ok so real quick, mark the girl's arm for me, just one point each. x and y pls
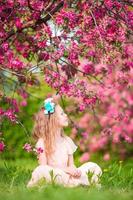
(71, 168)
(75, 172)
(71, 161)
(42, 159)
(70, 164)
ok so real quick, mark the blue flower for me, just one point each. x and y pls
(49, 106)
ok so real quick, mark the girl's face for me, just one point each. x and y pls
(62, 117)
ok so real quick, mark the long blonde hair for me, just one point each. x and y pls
(46, 128)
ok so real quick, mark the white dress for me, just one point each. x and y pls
(58, 160)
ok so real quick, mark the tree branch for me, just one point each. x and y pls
(38, 22)
(48, 16)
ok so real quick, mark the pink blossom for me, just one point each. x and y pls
(91, 100)
(99, 68)
(73, 133)
(84, 121)
(10, 2)
(88, 68)
(13, 102)
(106, 157)
(39, 150)
(42, 44)
(44, 55)
(2, 146)
(23, 103)
(18, 23)
(93, 146)
(22, 2)
(85, 157)
(16, 64)
(128, 139)
(10, 114)
(81, 107)
(91, 53)
(128, 50)
(1, 111)
(85, 135)
(27, 147)
(116, 137)
(70, 16)
(59, 20)
(102, 142)
(38, 5)
(5, 46)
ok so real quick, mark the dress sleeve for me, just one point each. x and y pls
(40, 144)
(71, 147)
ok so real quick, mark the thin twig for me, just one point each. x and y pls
(12, 72)
(102, 42)
(81, 71)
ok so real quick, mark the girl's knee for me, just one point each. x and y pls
(97, 170)
(91, 167)
(42, 171)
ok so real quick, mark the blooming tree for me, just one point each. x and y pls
(84, 50)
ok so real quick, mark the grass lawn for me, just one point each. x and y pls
(117, 183)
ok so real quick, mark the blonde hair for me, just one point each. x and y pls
(46, 128)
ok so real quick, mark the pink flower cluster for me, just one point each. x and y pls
(9, 113)
(28, 147)
(68, 17)
(89, 60)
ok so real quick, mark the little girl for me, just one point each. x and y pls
(57, 150)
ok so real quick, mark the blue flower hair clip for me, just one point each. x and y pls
(49, 106)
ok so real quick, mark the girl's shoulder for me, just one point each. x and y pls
(71, 146)
(40, 143)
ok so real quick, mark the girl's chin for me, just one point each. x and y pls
(66, 124)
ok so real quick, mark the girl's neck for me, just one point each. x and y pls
(58, 135)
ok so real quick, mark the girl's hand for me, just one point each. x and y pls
(77, 173)
(73, 171)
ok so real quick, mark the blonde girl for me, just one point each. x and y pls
(57, 150)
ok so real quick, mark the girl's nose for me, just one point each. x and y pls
(66, 116)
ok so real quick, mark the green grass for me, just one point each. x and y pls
(117, 183)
